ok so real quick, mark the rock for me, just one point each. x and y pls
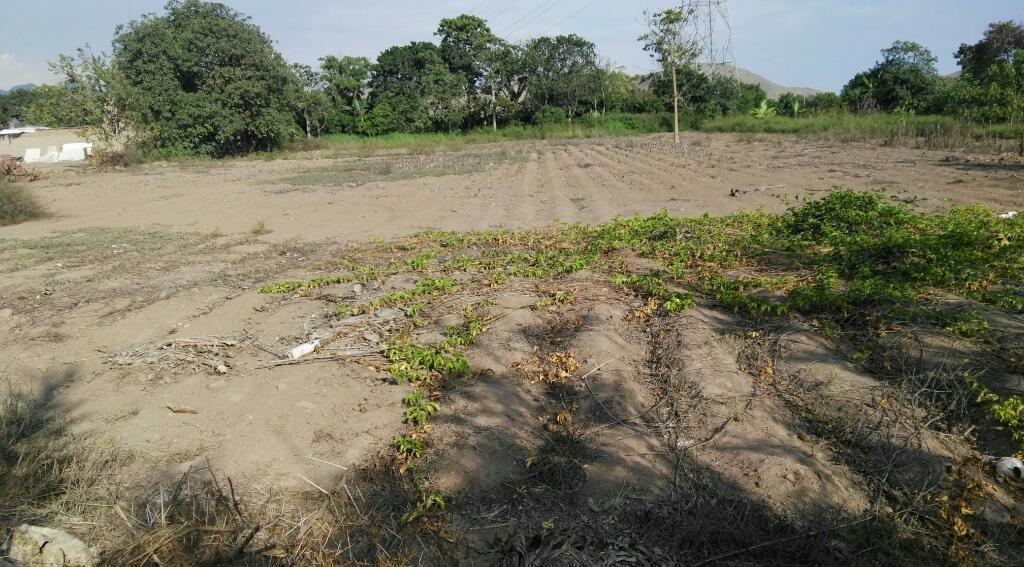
(790, 477)
(371, 337)
(1011, 468)
(386, 314)
(6, 313)
(34, 546)
(222, 369)
(357, 289)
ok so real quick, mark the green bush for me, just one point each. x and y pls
(548, 116)
(202, 79)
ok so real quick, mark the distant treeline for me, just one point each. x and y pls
(202, 79)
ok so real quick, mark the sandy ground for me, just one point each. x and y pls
(580, 181)
(138, 258)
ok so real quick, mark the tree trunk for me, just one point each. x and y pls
(494, 108)
(675, 105)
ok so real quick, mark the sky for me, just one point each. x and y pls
(796, 43)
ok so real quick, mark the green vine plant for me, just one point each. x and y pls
(1006, 410)
(427, 502)
(419, 408)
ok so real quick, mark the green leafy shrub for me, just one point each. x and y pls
(409, 446)
(419, 408)
(548, 116)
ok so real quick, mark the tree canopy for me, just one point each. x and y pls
(1000, 41)
(904, 79)
(202, 79)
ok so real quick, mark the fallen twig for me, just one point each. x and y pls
(326, 462)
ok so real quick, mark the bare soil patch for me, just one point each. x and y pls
(590, 426)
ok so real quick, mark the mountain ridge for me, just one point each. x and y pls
(22, 87)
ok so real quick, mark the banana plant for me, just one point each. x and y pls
(763, 111)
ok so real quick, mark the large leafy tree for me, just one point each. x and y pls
(905, 79)
(347, 80)
(412, 86)
(465, 42)
(347, 86)
(1001, 40)
(563, 73)
(205, 80)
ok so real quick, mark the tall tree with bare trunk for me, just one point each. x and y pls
(668, 42)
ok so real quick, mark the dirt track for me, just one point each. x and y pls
(163, 252)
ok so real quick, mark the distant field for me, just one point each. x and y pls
(928, 131)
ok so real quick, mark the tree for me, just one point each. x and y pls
(57, 107)
(311, 102)
(14, 104)
(1000, 98)
(563, 72)
(497, 66)
(92, 94)
(792, 105)
(615, 88)
(205, 81)
(465, 41)
(420, 92)
(904, 79)
(1000, 41)
(347, 80)
(701, 96)
(859, 94)
(667, 41)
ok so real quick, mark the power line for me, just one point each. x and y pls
(476, 7)
(530, 16)
(570, 16)
(504, 8)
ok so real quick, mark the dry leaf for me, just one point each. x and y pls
(182, 409)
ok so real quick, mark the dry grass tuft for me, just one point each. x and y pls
(45, 471)
(109, 159)
(260, 228)
(18, 205)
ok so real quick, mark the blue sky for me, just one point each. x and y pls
(815, 43)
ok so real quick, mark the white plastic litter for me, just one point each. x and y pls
(1008, 215)
(34, 545)
(1009, 467)
(303, 349)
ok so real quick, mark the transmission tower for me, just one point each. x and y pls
(712, 32)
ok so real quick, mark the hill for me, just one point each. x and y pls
(773, 89)
(24, 87)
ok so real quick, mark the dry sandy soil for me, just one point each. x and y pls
(123, 304)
